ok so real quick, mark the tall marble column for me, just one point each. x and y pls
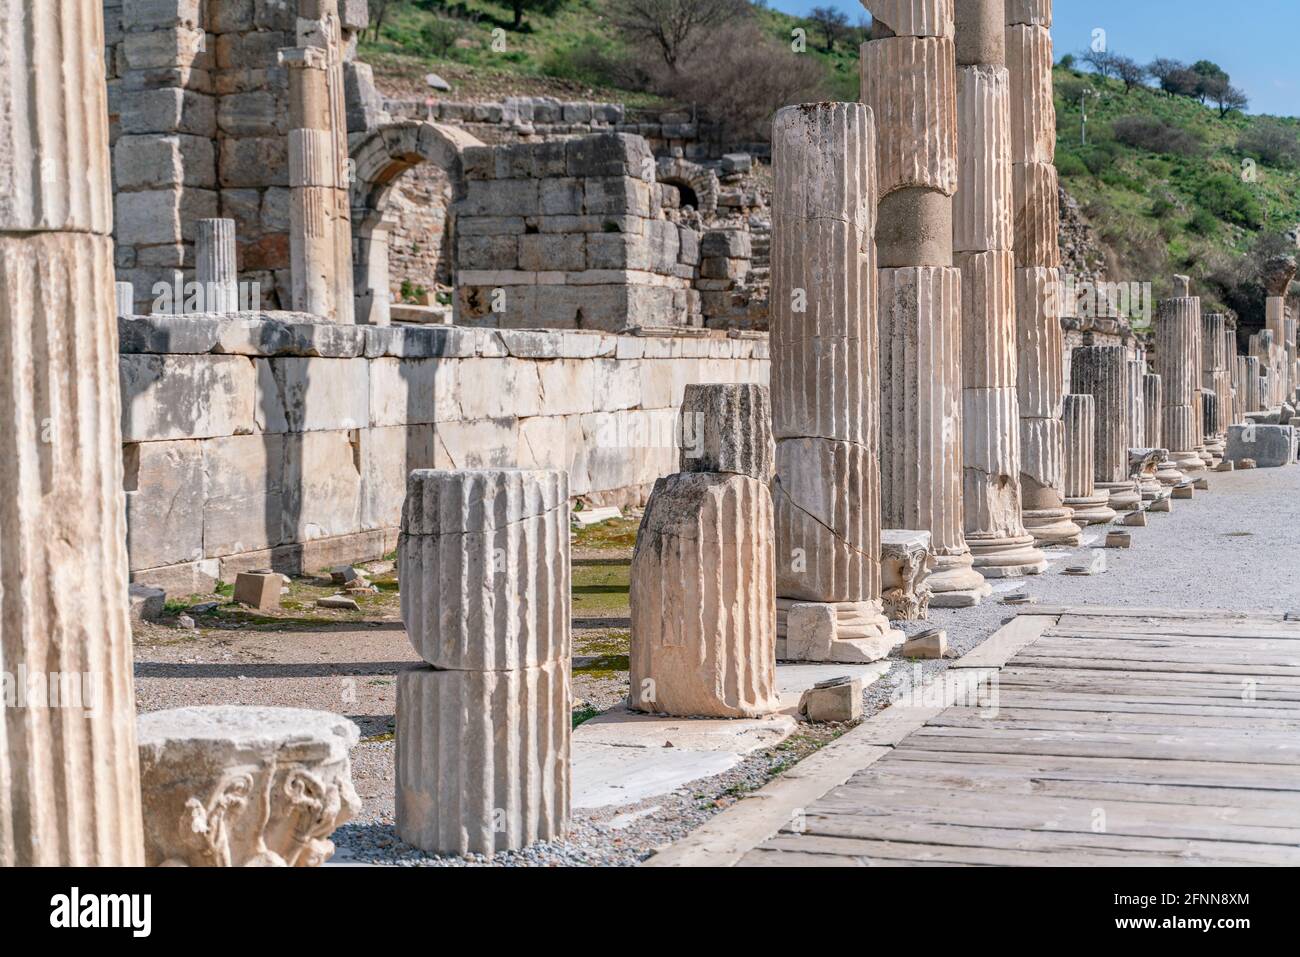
(1177, 334)
(909, 82)
(1091, 507)
(825, 390)
(319, 209)
(1135, 370)
(984, 247)
(1214, 363)
(1252, 385)
(1040, 344)
(1278, 274)
(1103, 373)
(69, 770)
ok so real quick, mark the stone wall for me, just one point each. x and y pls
(253, 440)
(571, 234)
(199, 123)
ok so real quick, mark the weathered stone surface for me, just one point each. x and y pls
(703, 599)
(483, 757)
(1178, 363)
(1102, 372)
(185, 397)
(147, 604)
(727, 428)
(69, 785)
(910, 86)
(1033, 113)
(165, 493)
(1079, 421)
(484, 565)
(982, 214)
(913, 18)
(824, 381)
(837, 699)
(1269, 446)
(232, 786)
(259, 590)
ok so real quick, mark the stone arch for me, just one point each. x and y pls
(378, 159)
(700, 180)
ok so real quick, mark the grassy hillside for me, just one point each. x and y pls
(1173, 191)
(571, 48)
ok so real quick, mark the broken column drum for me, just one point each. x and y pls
(1040, 340)
(1177, 332)
(214, 265)
(1152, 407)
(984, 248)
(909, 82)
(703, 582)
(483, 725)
(1102, 372)
(69, 771)
(825, 392)
(1091, 507)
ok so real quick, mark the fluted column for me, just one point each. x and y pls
(1177, 334)
(1078, 416)
(909, 82)
(825, 390)
(984, 249)
(1252, 384)
(69, 771)
(1135, 370)
(1040, 344)
(1103, 373)
(1278, 273)
(319, 208)
(214, 264)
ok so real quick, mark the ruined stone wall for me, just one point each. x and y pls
(417, 248)
(199, 123)
(252, 441)
(571, 235)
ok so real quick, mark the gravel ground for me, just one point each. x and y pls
(1229, 548)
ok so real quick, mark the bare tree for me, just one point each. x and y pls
(1164, 70)
(1101, 61)
(378, 10)
(832, 23)
(1130, 72)
(673, 27)
(1228, 98)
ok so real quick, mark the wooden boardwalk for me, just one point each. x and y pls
(1119, 737)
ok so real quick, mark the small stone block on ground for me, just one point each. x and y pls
(259, 590)
(1226, 467)
(928, 644)
(1184, 491)
(594, 516)
(1119, 540)
(1135, 519)
(1094, 566)
(837, 699)
(146, 603)
(1161, 505)
(338, 601)
(1202, 484)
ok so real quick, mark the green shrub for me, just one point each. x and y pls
(1069, 164)
(1203, 222)
(1230, 200)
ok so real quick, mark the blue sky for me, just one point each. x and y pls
(1256, 41)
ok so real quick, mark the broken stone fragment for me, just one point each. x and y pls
(927, 644)
(338, 601)
(837, 699)
(233, 786)
(146, 603)
(342, 574)
(726, 428)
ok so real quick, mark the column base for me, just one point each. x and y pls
(954, 582)
(1092, 510)
(842, 632)
(1189, 463)
(1052, 526)
(1006, 557)
(1169, 475)
(1123, 496)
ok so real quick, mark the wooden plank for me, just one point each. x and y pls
(1153, 648)
(1185, 614)
(1282, 631)
(1134, 667)
(1231, 708)
(1016, 715)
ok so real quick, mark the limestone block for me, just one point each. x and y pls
(615, 196)
(910, 86)
(167, 110)
(483, 758)
(836, 699)
(1037, 215)
(610, 154)
(616, 382)
(185, 396)
(906, 559)
(484, 560)
(147, 604)
(243, 499)
(233, 786)
(486, 443)
(413, 391)
(982, 217)
(489, 252)
(155, 216)
(312, 394)
(388, 455)
(151, 161)
(1270, 446)
(1033, 111)
(165, 491)
(703, 599)
(910, 18)
(322, 485)
(725, 428)
(259, 590)
(541, 251)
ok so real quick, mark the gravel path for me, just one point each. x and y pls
(1229, 548)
